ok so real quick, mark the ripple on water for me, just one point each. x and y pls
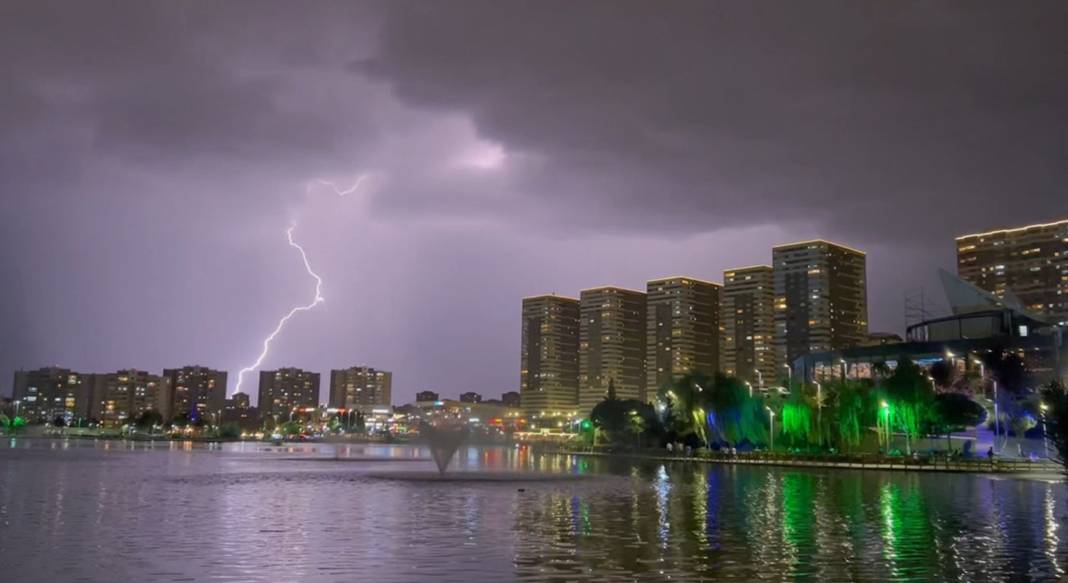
(173, 515)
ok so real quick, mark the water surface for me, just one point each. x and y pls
(111, 511)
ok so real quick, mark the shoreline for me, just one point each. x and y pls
(998, 466)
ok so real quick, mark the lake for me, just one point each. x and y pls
(116, 511)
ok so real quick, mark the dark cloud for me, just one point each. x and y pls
(699, 115)
(153, 153)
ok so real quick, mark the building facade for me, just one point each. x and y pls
(548, 376)
(197, 392)
(121, 397)
(49, 393)
(747, 324)
(511, 399)
(427, 397)
(284, 390)
(470, 397)
(1026, 263)
(611, 345)
(821, 298)
(361, 387)
(682, 330)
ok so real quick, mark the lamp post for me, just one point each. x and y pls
(771, 432)
(760, 379)
(843, 361)
(750, 385)
(819, 410)
(789, 376)
(997, 417)
(885, 408)
(1045, 442)
(17, 403)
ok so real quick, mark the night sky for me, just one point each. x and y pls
(152, 156)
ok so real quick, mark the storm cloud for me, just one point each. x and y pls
(153, 154)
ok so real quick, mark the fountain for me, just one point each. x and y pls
(443, 443)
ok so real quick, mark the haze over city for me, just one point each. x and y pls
(153, 157)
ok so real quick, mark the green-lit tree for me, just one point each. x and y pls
(799, 420)
(911, 398)
(851, 412)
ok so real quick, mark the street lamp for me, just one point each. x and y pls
(17, 402)
(819, 409)
(1045, 442)
(789, 376)
(760, 379)
(750, 385)
(885, 408)
(843, 361)
(997, 417)
(771, 434)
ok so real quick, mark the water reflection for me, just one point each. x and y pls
(111, 511)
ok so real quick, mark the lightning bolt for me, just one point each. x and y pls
(318, 299)
(333, 185)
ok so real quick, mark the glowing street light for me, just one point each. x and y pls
(1045, 442)
(885, 408)
(771, 433)
(750, 385)
(760, 379)
(819, 409)
(789, 375)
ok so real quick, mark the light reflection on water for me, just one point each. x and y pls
(108, 511)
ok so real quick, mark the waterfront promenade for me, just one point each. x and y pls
(854, 462)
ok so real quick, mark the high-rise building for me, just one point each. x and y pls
(548, 376)
(611, 345)
(47, 393)
(1028, 264)
(284, 390)
(682, 330)
(196, 392)
(470, 397)
(121, 397)
(747, 324)
(361, 387)
(821, 298)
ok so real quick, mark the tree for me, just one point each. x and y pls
(943, 373)
(683, 400)
(910, 397)
(954, 412)
(623, 419)
(148, 419)
(1009, 370)
(850, 412)
(798, 420)
(1055, 400)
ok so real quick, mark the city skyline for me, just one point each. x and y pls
(149, 191)
(1049, 236)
